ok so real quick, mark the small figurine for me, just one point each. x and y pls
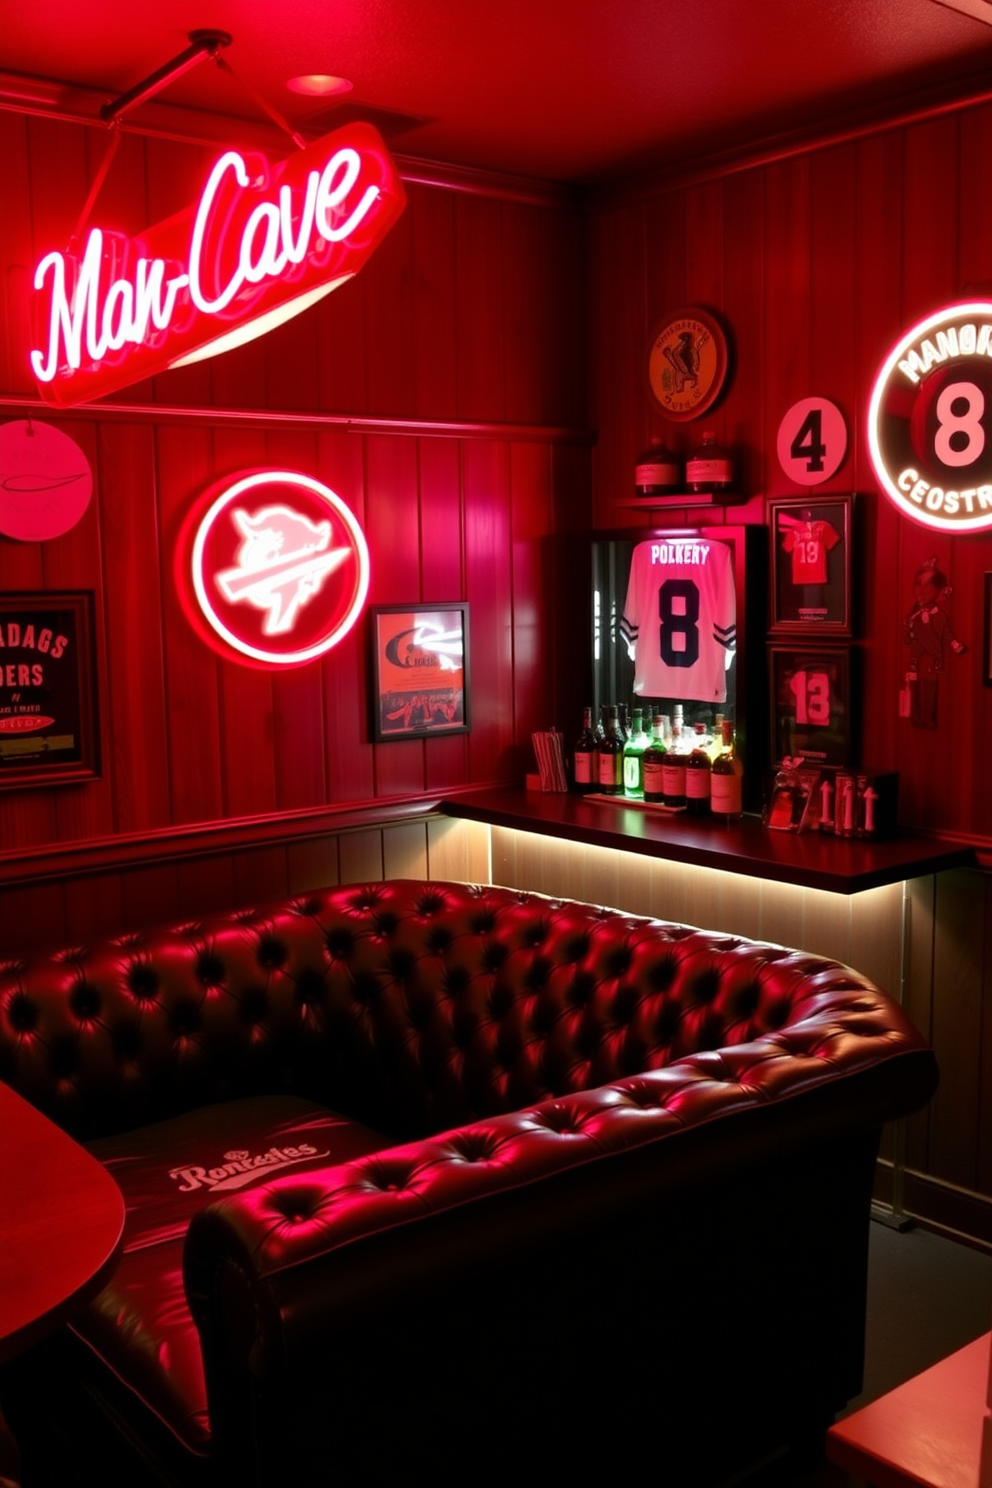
(929, 635)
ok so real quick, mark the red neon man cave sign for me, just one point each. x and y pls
(275, 571)
(261, 245)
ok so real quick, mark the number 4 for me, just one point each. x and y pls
(808, 443)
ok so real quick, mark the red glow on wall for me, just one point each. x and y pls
(276, 570)
(261, 245)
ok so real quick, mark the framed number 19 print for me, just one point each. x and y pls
(811, 565)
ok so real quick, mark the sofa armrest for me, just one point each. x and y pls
(291, 1279)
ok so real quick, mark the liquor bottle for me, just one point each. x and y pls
(633, 758)
(657, 471)
(697, 775)
(673, 770)
(622, 729)
(585, 758)
(609, 756)
(653, 760)
(727, 779)
(709, 468)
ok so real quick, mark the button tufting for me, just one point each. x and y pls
(84, 1000)
(340, 943)
(142, 981)
(209, 969)
(310, 987)
(272, 953)
(23, 1012)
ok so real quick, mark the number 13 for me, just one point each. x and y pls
(812, 693)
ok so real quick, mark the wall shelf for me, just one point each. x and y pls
(838, 865)
(678, 499)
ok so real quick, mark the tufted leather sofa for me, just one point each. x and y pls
(446, 1183)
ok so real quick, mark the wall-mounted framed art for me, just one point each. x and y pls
(811, 541)
(810, 691)
(48, 712)
(420, 671)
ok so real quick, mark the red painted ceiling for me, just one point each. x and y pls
(581, 91)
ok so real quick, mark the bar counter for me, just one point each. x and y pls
(809, 860)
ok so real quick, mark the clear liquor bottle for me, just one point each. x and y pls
(673, 770)
(609, 756)
(727, 779)
(710, 467)
(585, 757)
(657, 471)
(697, 775)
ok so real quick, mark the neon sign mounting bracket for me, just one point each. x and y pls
(202, 44)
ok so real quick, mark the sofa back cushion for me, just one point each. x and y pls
(411, 1006)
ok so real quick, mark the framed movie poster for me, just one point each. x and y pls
(811, 565)
(48, 732)
(419, 671)
(810, 689)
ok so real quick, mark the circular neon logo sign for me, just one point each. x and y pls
(279, 568)
(930, 420)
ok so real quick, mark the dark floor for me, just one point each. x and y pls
(927, 1297)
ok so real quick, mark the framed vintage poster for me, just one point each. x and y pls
(48, 733)
(419, 671)
(811, 565)
(810, 690)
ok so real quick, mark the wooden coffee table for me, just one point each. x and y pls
(61, 1223)
(930, 1432)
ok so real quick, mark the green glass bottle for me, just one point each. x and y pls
(633, 757)
(653, 761)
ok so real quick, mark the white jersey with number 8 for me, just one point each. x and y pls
(680, 618)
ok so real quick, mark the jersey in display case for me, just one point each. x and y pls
(680, 617)
(672, 612)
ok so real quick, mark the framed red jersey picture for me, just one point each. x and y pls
(811, 542)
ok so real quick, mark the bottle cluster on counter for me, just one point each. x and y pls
(662, 760)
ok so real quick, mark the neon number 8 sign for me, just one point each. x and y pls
(928, 420)
(960, 434)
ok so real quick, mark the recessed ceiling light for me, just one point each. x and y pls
(319, 85)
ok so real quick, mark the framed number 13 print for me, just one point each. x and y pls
(810, 689)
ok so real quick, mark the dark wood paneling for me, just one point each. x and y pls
(191, 668)
(480, 332)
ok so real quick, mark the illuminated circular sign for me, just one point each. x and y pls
(279, 568)
(930, 420)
